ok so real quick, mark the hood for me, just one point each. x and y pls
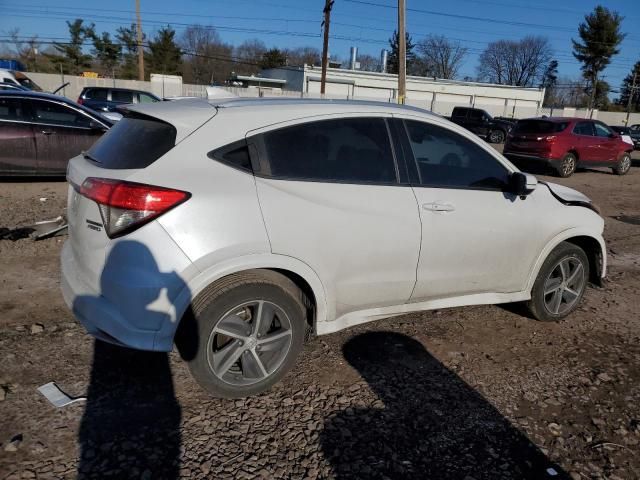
(567, 194)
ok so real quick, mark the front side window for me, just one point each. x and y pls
(353, 150)
(11, 109)
(476, 114)
(51, 113)
(144, 98)
(584, 128)
(121, 96)
(447, 159)
(601, 130)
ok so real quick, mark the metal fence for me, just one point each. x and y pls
(510, 109)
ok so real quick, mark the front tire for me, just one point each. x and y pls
(250, 327)
(623, 166)
(560, 284)
(567, 165)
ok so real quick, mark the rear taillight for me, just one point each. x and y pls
(80, 100)
(126, 206)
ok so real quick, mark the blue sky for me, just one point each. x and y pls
(291, 23)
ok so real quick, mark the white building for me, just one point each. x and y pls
(437, 95)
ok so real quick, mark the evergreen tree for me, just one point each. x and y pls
(128, 38)
(70, 55)
(600, 37)
(165, 54)
(392, 59)
(106, 52)
(626, 90)
(273, 58)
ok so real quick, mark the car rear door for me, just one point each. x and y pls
(18, 152)
(61, 133)
(331, 197)
(476, 237)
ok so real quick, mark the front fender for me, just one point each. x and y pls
(557, 240)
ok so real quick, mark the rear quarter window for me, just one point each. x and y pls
(133, 142)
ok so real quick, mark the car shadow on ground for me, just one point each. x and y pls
(131, 424)
(432, 425)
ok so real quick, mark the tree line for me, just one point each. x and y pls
(201, 56)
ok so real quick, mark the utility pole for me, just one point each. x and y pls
(593, 94)
(140, 48)
(325, 44)
(631, 94)
(402, 53)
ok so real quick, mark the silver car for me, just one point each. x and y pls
(235, 228)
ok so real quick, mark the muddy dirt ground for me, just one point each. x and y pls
(470, 393)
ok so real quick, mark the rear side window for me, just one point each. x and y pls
(584, 128)
(539, 126)
(121, 96)
(10, 109)
(446, 159)
(235, 155)
(94, 94)
(351, 150)
(133, 142)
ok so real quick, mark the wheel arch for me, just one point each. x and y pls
(295, 270)
(592, 244)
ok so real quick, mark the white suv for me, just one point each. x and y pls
(234, 228)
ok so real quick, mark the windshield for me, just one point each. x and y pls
(539, 126)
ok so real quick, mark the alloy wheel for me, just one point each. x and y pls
(249, 343)
(496, 136)
(568, 165)
(564, 285)
(625, 164)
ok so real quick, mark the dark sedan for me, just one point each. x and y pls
(40, 132)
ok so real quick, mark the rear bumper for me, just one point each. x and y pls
(133, 308)
(532, 160)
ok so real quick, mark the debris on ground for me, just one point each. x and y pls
(57, 397)
(14, 443)
(37, 231)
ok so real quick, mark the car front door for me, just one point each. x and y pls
(477, 122)
(608, 146)
(331, 197)
(476, 237)
(18, 152)
(587, 143)
(61, 133)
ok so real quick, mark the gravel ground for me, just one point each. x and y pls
(469, 393)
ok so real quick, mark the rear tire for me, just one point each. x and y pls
(567, 165)
(250, 329)
(623, 166)
(496, 136)
(561, 283)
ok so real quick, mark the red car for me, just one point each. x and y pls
(567, 143)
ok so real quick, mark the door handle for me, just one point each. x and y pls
(46, 132)
(438, 207)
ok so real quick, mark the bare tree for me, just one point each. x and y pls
(297, 57)
(206, 57)
(520, 63)
(24, 50)
(368, 63)
(442, 58)
(248, 56)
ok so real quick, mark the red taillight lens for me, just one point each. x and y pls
(126, 206)
(80, 100)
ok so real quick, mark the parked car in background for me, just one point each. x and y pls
(481, 123)
(634, 131)
(624, 132)
(107, 99)
(18, 78)
(12, 87)
(40, 132)
(181, 227)
(566, 144)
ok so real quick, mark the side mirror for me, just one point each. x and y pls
(613, 135)
(522, 183)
